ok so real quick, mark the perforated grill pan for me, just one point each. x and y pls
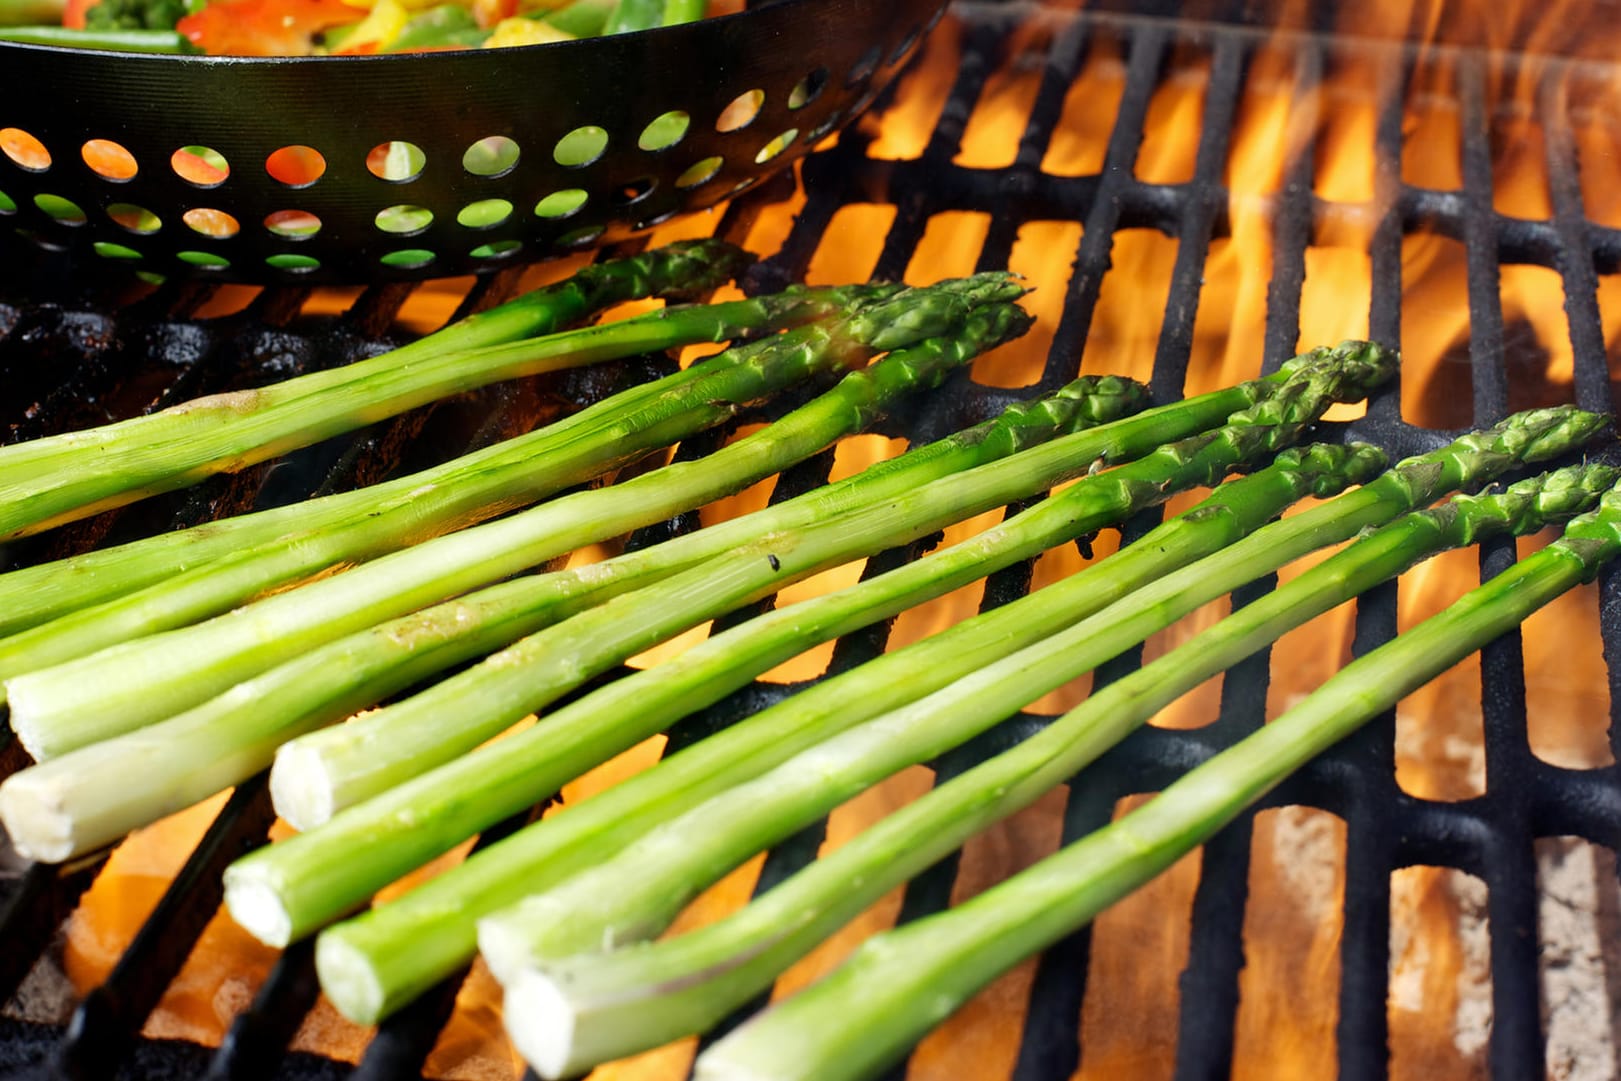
(513, 153)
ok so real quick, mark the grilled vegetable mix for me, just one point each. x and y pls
(336, 27)
(144, 677)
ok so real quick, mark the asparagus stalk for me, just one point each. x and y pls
(60, 478)
(362, 963)
(290, 889)
(232, 737)
(474, 487)
(898, 985)
(644, 885)
(122, 687)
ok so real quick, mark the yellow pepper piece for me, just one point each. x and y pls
(521, 31)
(379, 28)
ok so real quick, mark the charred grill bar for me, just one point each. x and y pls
(63, 345)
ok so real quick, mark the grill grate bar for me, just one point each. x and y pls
(1362, 1031)
(1292, 220)
(1516, 1045)
(1101, 220)
(253, 1046)
(111, 1015)
(1490, 376)
(1362, 1028)
(1202, 201)
(1574, 261)
(1384, 246)
(1208, 1003)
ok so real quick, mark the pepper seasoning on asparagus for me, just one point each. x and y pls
(900, 984)
(292, 888)
(57, 479)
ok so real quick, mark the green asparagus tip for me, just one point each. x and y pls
(684, 269)
(1579, 486)
(998, 323)
(1332, 467)
(930, 311)
(1531, 436)
(1527, 505)
(1087, 402)
(1346, 372)
(1595, 533)
(1548, 433)
(1349, 352)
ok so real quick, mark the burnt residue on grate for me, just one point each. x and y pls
(68, 356)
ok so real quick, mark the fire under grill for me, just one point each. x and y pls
(1049, 142)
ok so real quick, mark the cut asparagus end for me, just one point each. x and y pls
(256, 905)
(504, 946)
(28, 734)
(348, 980)
(713, 1065)
(301, 786)
(32, 812)
(541, 1022)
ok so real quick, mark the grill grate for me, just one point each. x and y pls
(56, 332)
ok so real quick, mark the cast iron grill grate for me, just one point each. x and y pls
(66, 353)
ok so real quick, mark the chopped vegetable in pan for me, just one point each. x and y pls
(337, 27)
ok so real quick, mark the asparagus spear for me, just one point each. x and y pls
(362, 963)
(655, 876)
(231, 738)
(468, 489)
(898, 985)
(125, 686)
(59, 478)
(290, 889)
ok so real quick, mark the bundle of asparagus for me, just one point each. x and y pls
(55, 809)
(215, 567)
(48, 481)
(142, 682)
(122, 687)
(569, 1011)
(898, 985)
(294, 887)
